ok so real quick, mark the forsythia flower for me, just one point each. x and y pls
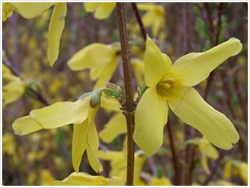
(99, 58)
(14, 87)
(102, 10)
(117, 124)
(154, 16)
(171, 86)
(56, 26)
(118, 163)
(80, 113)
(86, 179)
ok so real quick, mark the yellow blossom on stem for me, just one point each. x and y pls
(170, 86)
(99, 58)
(80, 113)
(154, 16)
(102, 10)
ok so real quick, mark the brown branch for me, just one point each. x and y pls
(174, 157)
(37, 95)
(139, 20)
(128, 103)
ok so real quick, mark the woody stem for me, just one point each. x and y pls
(128, 99)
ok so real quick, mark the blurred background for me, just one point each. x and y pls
(42, 157)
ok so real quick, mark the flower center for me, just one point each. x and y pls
(166, 85)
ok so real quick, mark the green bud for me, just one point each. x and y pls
(96, 98)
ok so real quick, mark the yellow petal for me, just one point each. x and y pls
(204, 162)
(190, 107)
(110, 155)
(195, 67)
(148, 19)
(93, 142)
(104, 10)
(106, 74)
(156, 64)
(115, 127)
(62, 113)
(227, 170)
(25, 125)
(92, 149)
(146, 6)
(31, 10)
(208, 149)
(86, 179)
(56, 27)
(158, 25)
(12, 92)
(6, 11)
(79, 143)
(110, 104)
(150, 119)
(91, 56)
(90, 7)
(244, 172)
(138, 69)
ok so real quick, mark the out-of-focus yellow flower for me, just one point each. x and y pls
(171, 86)
(99, 58)
(207, 150)
(117, 124)
(56, 26)
(160, 181)
(86, 179)
(46, 178)
(154, 16)
(138, 69)
(14, 87)
(227, 170)
(8, 144)
(80, 113)
(118, 162)
(243, 168)
(102, 10)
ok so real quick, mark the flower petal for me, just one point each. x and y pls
(195, 67)
(31, 10)
(92, 149)
(150, 119)
(56, 27)
(93, 55)
(190, 107)
(104, 10)
(62, 113)
(90, 7)
(25, 125)
(110, 104)
(93, 142)
(79, 143)
(156, 64)
(115, 127)
(6, 11)
(106, 74)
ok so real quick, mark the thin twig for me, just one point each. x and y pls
(139, 20)
(37, 95)
(128, 100)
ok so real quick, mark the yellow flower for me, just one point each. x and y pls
(160, 181)
(118, 163)
(154, 16)
(80, 113)
(86, 179)
(171, 86)
(117, 124)
(99, 58)
(102, 10)
(14, 87)
(56, 26)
